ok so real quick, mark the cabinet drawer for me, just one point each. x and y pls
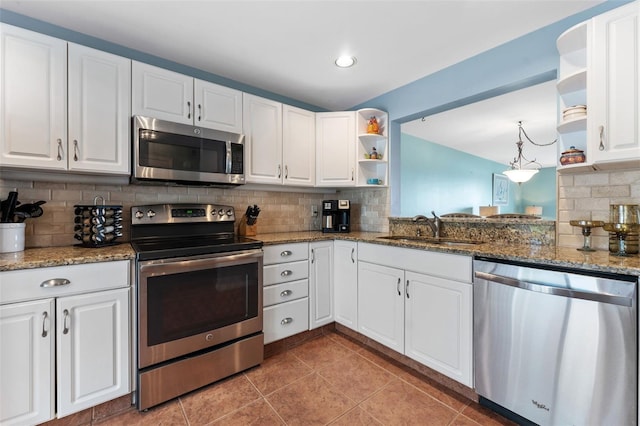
(285, 253)
(285, 292)
(286, 319)
(285, 272)
(29, 284)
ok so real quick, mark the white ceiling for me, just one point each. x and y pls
(489, 129)
(288, 47)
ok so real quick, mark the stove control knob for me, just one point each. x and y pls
(139, 214)
(214, 212)
(229, 212)
(221, 212)
(151, 214)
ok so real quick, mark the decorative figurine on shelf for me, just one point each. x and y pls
(374, 154)
(373, 127)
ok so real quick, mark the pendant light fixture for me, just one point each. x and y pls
(518, 172)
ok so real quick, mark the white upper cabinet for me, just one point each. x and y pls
(33, 108)
(279, 143)
(99, 111)
(599, 62)
(614, 87)
(168, 95)
(262, 124)
(335, 149)
(298, 146)
(217, 107)
(162, 94)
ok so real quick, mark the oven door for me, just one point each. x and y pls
(190, 304)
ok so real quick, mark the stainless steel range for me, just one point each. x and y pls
(199, 299)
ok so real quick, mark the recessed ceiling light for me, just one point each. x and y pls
(345, 61)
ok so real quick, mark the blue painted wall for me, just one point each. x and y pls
(435, 177)
(523, 62)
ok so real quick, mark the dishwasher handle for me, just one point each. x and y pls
(557, 291)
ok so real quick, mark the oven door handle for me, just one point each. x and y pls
(182, 264)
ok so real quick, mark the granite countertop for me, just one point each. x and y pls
(540, 254)
(60, 256)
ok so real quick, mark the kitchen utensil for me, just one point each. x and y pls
(9, 206)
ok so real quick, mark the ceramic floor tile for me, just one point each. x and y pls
(257, 413)
(217, 400)
(309, 401)
(355, 417)
(391, 366)
(346, 342)
(436, 390)
(320, 352)
(462, 420)
(355, 376)
(168, 414)
(401, 403)
(276, 372)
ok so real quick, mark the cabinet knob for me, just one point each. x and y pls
(286, 321)
(286, 273)
(286, 293)
(286, 253)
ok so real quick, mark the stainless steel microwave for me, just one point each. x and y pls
(179, 153)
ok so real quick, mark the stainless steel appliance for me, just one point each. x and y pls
(555, 346)
(199, 299)
(172, 152)
(336, 216)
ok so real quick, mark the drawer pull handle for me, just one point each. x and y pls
(353, 251)
(45, 329)
(55, 282)
(406, 289)
(398, 287)
(286, 321)
(65, 324)
(286, 273)
(286, 293)
(286, 253)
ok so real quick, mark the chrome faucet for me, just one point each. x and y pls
(435, 224)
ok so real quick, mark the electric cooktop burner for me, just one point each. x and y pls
(176, 230)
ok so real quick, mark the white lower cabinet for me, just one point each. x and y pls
(320, 283)
(418, 303)
(27, 361)
(438, 325)
(64, 340)
(345, 283)
(92, 345)
(286, 290)
(381, 304)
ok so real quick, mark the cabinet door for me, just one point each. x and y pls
(345, 283)
(26, 362)
(614, 87)
(99, 111)
(217, 107)
(320, 283)
(335, 148)
(381, 304)
(438, 324)
(161, 93)
(262, 124)
(298, 146)
(33, 108)
(92, 348)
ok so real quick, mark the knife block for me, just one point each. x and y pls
(247, 230)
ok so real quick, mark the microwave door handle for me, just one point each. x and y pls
(228, 162)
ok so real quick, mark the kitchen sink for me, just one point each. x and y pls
(431, 240)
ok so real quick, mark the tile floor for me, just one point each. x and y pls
(326, 380)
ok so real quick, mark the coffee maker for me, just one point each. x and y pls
(336, 216)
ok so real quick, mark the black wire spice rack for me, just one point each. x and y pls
(97, 225)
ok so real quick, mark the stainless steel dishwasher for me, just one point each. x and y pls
(556, 346)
